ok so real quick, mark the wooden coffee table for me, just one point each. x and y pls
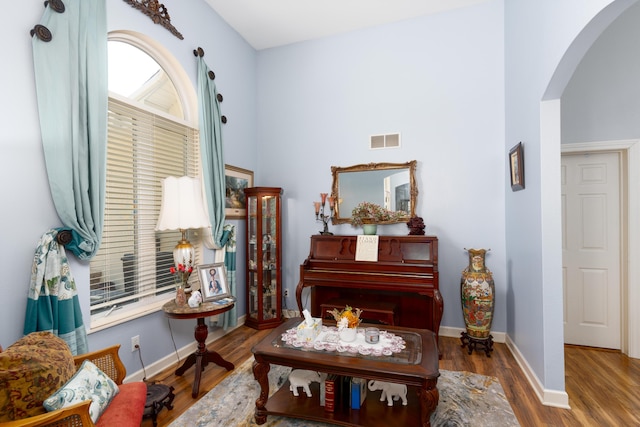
(416, 366)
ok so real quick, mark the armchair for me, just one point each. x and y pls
(126, 408)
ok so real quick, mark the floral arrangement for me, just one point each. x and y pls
(367, 212)
(347, 318)
(181, 274)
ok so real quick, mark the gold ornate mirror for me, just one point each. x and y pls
(390, 185)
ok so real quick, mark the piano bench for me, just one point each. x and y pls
(379, 311)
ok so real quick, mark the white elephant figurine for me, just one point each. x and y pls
(390, 391)
(302, 378)
(195, 300)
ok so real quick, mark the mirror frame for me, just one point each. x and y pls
(413, 187)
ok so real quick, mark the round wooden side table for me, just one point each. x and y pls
(201, 357)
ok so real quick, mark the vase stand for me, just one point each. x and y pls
(158, 396)
(473, 343)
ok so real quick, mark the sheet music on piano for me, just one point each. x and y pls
(367, 248)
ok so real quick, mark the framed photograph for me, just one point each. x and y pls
(213, 282)
(516, 167)
(236, 180)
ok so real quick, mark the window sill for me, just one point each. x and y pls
(117, 317)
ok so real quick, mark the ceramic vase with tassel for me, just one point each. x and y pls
(477, 294)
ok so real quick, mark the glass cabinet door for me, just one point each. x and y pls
(264, 257)
(252, 256)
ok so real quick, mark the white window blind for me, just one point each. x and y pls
(131, 268)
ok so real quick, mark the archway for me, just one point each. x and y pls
(550, 134)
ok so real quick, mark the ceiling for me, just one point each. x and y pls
(270, 23)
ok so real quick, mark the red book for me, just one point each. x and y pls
(330, 393)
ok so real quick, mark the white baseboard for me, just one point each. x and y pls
(555, 398)
(162, 364)
(288, 314)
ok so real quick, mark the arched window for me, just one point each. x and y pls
(151, 135)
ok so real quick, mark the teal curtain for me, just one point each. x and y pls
(71, 85)
(52, 303)
(211, 150)
(230, 318)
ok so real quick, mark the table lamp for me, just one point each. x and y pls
(182, 208)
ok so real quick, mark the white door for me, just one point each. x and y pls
(591, 227)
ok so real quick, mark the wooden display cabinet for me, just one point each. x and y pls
(264, 257)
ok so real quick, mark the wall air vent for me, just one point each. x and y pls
(391, 140)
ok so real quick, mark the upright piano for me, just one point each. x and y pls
(405, 276)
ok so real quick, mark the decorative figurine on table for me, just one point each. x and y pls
(302, 378)
(416, 226)
(195, 299)
(390, 391)
(347, 322)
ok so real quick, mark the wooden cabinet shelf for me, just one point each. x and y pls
(373, 412)
(264, 257)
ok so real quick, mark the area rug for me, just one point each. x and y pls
(466, 399)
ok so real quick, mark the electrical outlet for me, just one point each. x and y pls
(286, 293)
(135, 342)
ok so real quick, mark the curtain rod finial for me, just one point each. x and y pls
(41, 32)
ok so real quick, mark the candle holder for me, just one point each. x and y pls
(320, 212)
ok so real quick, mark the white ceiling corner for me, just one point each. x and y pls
(270, 23)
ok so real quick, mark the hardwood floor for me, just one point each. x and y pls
(603, 385)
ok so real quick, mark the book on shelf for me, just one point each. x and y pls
(323, 385)
(330, 392)
(344, 392)
(358, 392)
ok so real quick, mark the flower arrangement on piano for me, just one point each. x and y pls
(347, 318)
(372, 213)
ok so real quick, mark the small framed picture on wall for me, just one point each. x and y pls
(236, 180)
(516, 167)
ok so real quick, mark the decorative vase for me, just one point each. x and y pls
(348, 334)
(477, 292)
(181, 296)
(370, 229)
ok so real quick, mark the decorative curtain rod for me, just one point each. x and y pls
(200, 52)
(157, 12)
(41, 31)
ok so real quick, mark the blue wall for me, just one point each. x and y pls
(601, 102)
(320, 100)
(544, 42)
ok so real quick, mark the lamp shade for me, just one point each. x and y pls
(182, 205)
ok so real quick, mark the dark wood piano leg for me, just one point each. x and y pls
(299, 289)
(438, 310)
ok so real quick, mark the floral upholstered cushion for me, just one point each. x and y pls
(89, 383)
(30, 370)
